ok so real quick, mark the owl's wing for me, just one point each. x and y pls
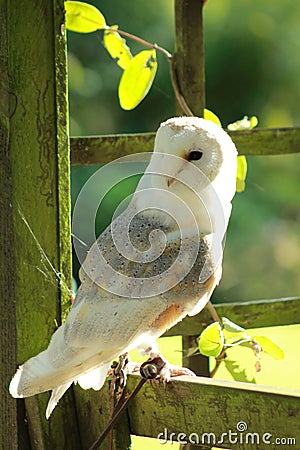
(121, 298)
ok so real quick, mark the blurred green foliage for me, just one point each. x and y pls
(252, 68)
(94, 77)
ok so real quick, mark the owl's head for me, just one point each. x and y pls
(194, 152)
(196, 161)
(195, 142)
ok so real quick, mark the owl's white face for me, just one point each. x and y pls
(195, 160)
(193, 141)
(194, 151)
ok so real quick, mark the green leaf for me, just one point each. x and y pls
(269, 347)
(231, 326)
(241, 173)
(232, 340)
(233, 333)
(253, 122)
(209, 115)
(137, 79)
(83, 18)
(116, 47)
(211, 340)
(243, 124)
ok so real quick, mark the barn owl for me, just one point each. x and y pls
(157, 262)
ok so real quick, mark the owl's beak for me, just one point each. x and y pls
(172, 180)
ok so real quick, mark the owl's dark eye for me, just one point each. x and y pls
(195, 155)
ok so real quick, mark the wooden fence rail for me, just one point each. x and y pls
(204, 405)
(194, 406)
(103, 149)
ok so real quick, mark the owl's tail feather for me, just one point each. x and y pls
(56, 368)
(56, 395)
(35, 376)
(93, 379)
(38, 375)
(47, 370)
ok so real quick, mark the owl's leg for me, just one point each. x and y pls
(157, 363)
(124, 366)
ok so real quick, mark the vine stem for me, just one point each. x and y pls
(140, 41)
(213, 312)
(173, 74)
(219, 359)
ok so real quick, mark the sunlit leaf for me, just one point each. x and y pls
(233, 333)
(116, 47)
(243, 124)
(209, 115)
(269, 347)
(234, 339)
(137, 79)
(253, 122)
(241, 173)
(211, 340)
(83, 18)
(231, 326)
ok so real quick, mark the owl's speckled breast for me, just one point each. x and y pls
(149, 250)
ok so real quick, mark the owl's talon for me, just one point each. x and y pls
(170, 371)
(157, 367)
(177, 371)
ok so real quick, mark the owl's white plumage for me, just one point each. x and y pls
(109, 317)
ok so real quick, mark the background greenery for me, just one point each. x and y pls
(252, 67)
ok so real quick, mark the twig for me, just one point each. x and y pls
(141, 41)
(213, 312)
(173, 74)
(219, 359)
(111, 408)
(216, 318)
(174, 80)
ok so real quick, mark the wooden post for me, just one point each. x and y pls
(189, 59)
(93, 416)
(189, 53)
(190, 70)
(34, 178)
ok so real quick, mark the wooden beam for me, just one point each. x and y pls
(189, 53)
(267, 141)
(203, 405)
(103, 149)
(254, 314)
(34, 178)
(190, 69)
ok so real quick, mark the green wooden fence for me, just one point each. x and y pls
(34, 177)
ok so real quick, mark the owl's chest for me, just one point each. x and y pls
(149, 264)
